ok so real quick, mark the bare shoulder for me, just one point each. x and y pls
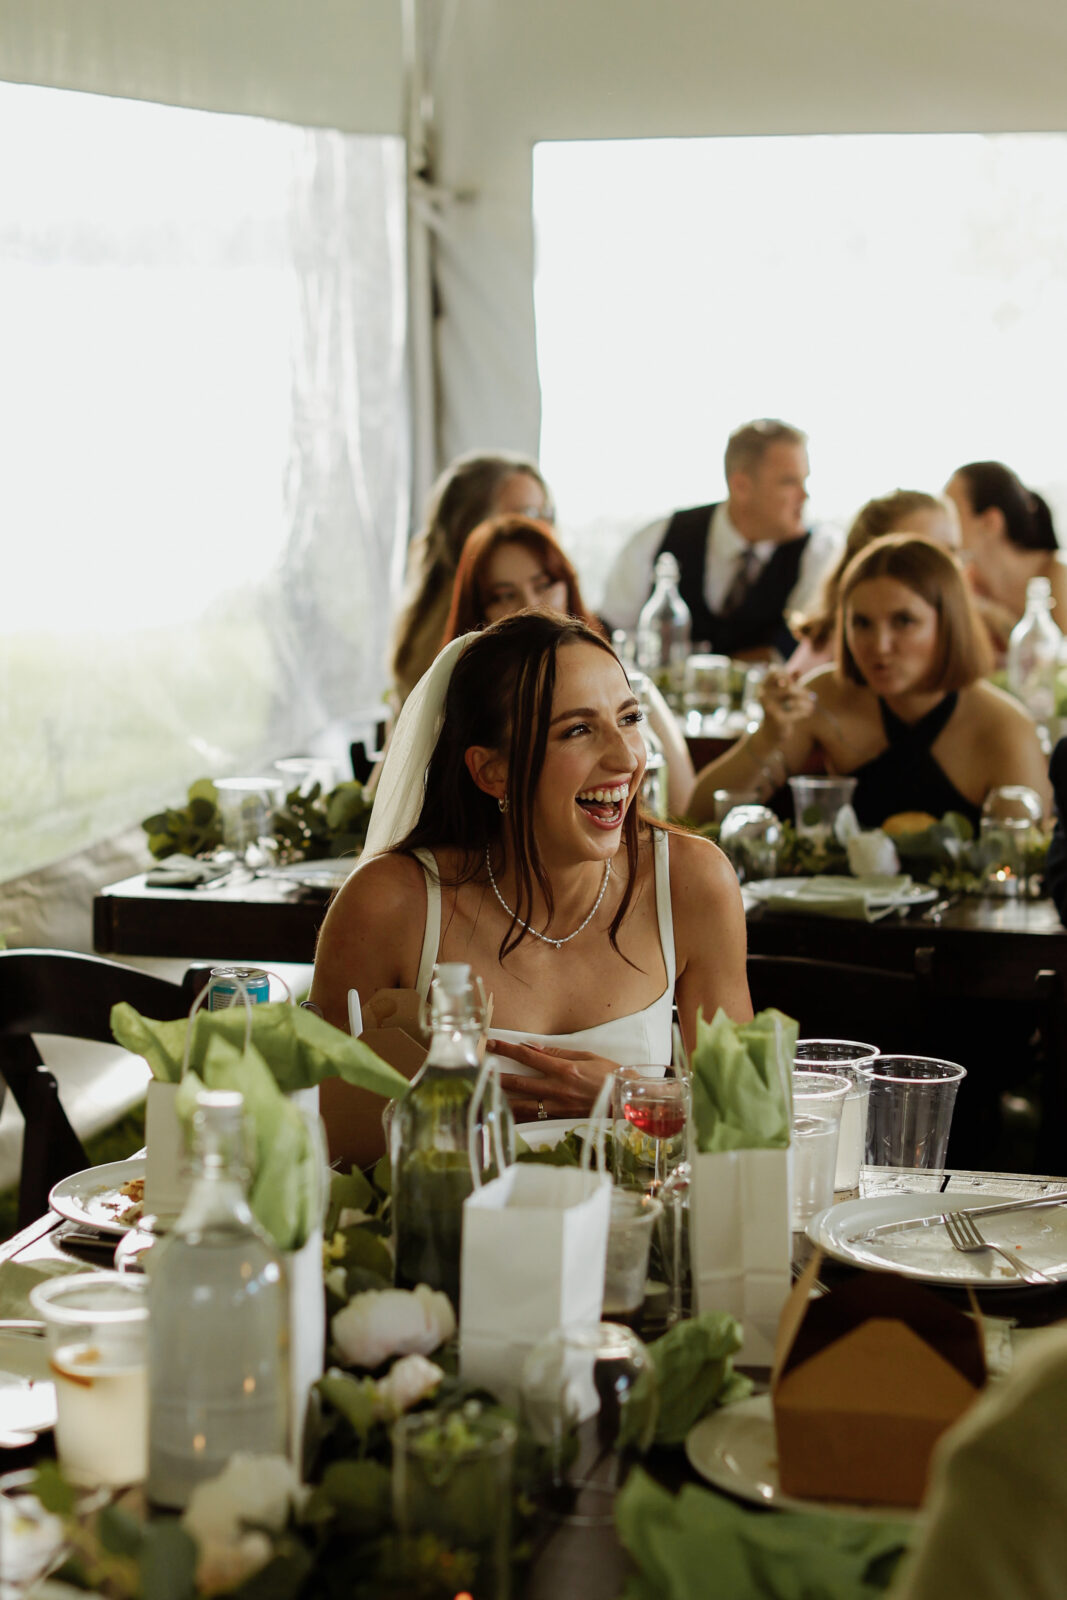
(996, 709)
(699, 869)
(832, 690)
(389, 883)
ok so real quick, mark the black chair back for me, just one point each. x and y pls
(62, 992)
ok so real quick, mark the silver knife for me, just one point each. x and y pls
(1041, 1203)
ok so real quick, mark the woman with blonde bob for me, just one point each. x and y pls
(903, 511)
(905, 710)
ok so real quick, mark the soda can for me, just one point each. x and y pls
(225, 984)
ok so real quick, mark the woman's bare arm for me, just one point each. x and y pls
(711, 941)
(371, 940)
(764, 759)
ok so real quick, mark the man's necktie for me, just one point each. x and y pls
(748, 568)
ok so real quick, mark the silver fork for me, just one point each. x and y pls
(964, 1236)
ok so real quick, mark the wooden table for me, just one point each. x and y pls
(589, 1563)
(255, 920)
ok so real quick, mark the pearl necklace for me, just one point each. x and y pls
(558, 943)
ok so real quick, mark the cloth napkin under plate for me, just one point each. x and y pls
(862, 899)
(696, 1545)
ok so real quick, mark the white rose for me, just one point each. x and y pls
(336, 1281)
(408, 1381)
(222, 1565)
(249, 1489)
(872, 853)
(384, 1322)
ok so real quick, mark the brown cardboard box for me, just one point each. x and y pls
(391, 1029)
(865, 1381)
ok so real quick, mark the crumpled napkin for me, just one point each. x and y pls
(299, 1048)
(700, 1546)
(829, 896)
(17, 1278)
(695, 1372)
(741, 1082)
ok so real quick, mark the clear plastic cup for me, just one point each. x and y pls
(816, 802)
(847, 1058)
(818, 1100)
(96, 1326)
(910, 1113)
(633, 1217)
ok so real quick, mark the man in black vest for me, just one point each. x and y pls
(746, 563)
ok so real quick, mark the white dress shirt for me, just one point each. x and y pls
(629, 583)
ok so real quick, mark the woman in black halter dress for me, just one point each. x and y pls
(905, 710)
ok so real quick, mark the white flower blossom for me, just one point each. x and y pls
(249, 1489)
(384, 1322)
(222, 1564)
(872, 853)
(336, 1282)
(408, 1381)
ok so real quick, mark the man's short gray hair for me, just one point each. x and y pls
(748, 444)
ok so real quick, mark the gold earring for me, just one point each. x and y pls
(502, 803)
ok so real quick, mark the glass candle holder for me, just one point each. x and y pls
(816, 802)
(452, 1476)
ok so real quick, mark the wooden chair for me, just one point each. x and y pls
(61, 992)
(834, 1001)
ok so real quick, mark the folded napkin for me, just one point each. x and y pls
(299, 1048)
(17, 1278)
(699, 1546)
(741, 1082)
(826, 896)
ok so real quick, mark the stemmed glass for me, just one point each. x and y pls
(651, 1116)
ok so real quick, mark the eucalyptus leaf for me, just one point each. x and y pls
(168, 1562)
(366, 1251)
(360, 1493)
(119, 1531)
(53, 1490)
(355, 1399)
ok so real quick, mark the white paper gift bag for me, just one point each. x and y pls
(741, 1242)
(534, 1248)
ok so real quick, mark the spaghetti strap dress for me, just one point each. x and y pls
(905, 777)
(639, 1040)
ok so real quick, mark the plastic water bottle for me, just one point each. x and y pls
(1033, 658)
(664, 631)
(218, 1321)
(431, 1168)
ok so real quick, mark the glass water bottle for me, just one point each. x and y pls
(1033, 658)
(664, 630)
(431, 1164)
(218, 1321)
(654, 789)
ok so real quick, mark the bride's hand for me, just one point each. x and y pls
(570, 1079)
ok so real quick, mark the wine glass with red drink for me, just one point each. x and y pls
(650, 1120)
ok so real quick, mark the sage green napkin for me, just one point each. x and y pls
(299, 1048)
(700, 1546)
(695, 1372)
(17, 1278)
(741, 1082)
(830, 896)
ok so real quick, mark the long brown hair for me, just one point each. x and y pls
(500, 697)
(929, 571)
(469, 597)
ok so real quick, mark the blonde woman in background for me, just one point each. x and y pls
(903, 511)
(469, 490)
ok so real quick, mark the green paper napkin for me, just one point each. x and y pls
(299, 1048)
(17, 1278)
(741, 1082)
(699, 1546)
(695, 1372)
(829, 896)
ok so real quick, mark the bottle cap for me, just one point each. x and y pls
(454, 977)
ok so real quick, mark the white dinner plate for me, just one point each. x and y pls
(327, 875)
(543, 1135)
(926, 1253)
(93, 1199)
(916, 894)
(735, 1449)
(27, 1393)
